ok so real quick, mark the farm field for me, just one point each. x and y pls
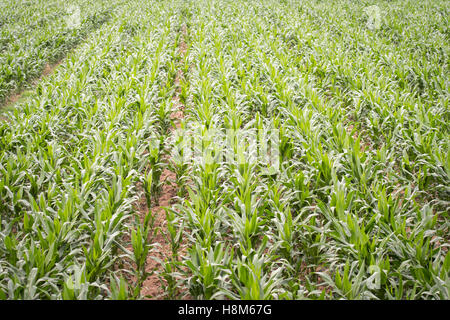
(38, 34)
(219, 149)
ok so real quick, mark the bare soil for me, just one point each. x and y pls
(154, 286)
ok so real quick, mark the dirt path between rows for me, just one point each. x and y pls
(154, 286)
(14, 97)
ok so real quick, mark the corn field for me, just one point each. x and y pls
(219, 149)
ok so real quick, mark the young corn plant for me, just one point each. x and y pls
(140, 237)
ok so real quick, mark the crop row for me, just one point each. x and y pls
(311, 162)
(72, 156)
(357, 206)
(36, 33)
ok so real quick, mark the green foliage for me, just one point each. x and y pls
(72, 155)
(356, 209)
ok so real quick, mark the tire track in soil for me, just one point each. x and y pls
(153, 286)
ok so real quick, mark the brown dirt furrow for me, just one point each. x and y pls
(16, 96)
(154, 286)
